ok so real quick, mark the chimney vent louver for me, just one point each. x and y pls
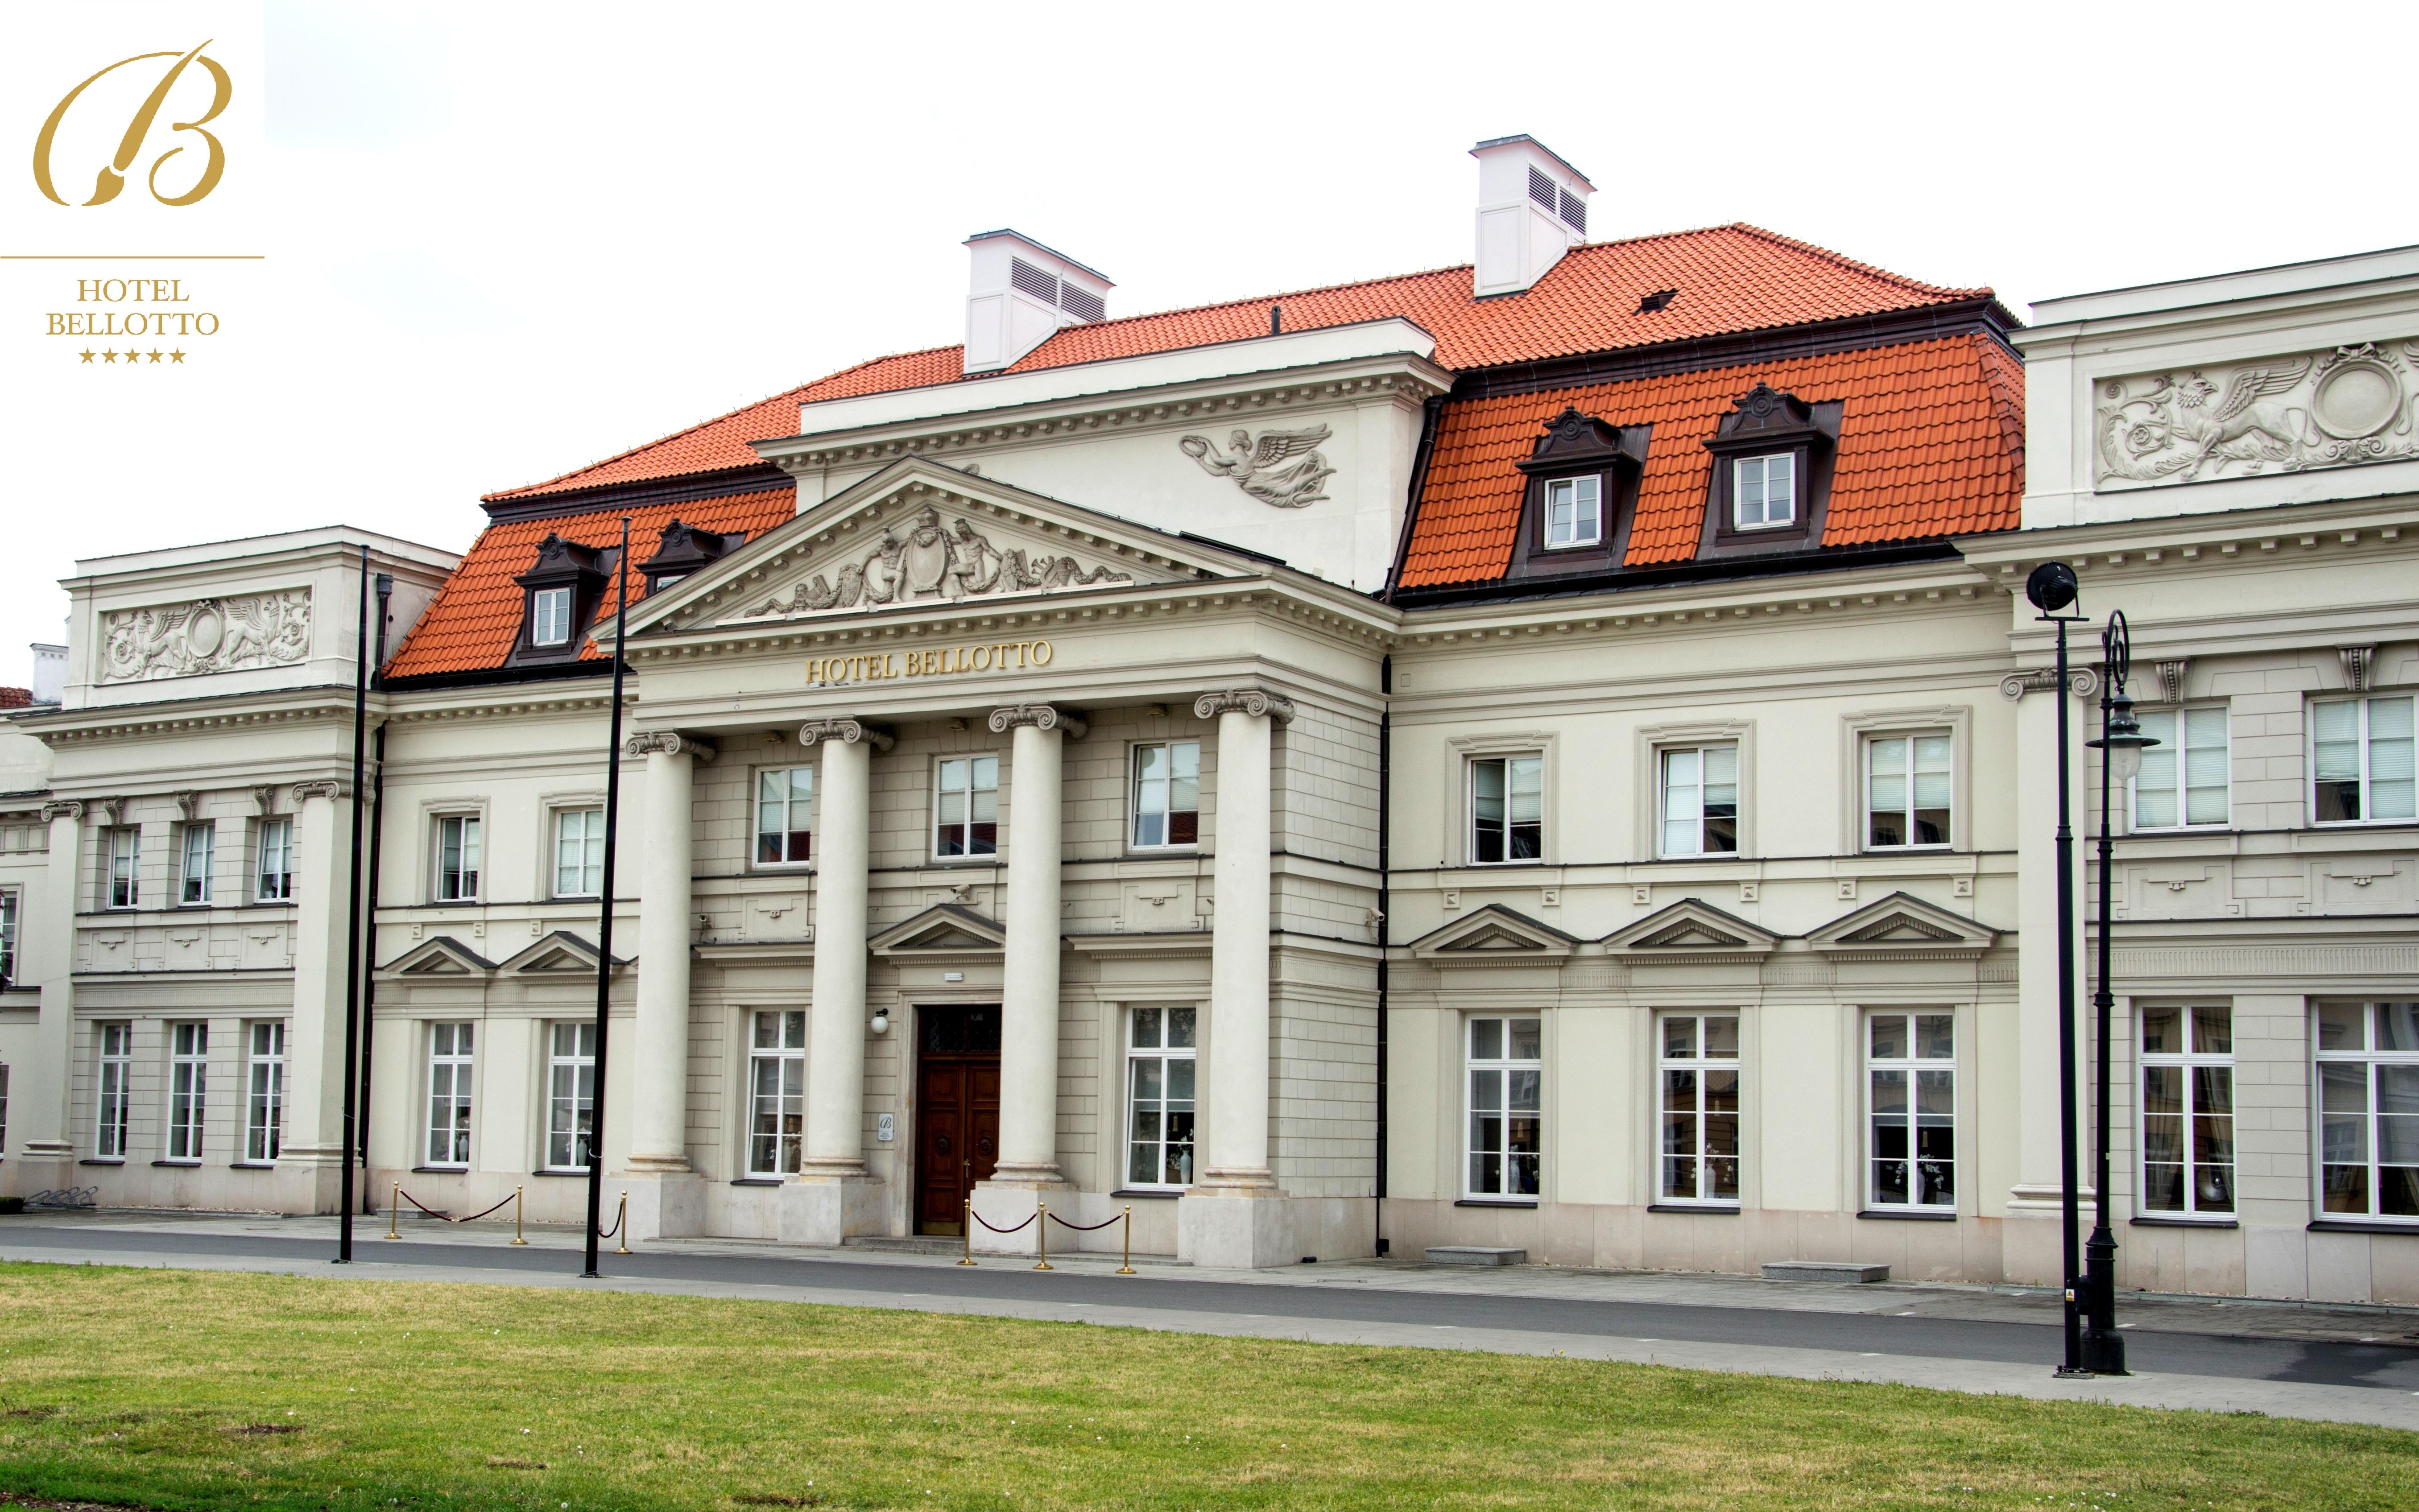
(1020, 293)
(1531, 209)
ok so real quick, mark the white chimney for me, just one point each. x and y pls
(50, 672)
(1531, 209)
(1022, 292)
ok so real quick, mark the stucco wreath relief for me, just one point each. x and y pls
(2285, 414)
(209, 635)
(924, 560)
(1284, 467)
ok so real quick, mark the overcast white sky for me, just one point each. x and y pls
(508, 238)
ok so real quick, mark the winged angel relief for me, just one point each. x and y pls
(211, 635)
(2289, 413)
(1283, 467)
(923, 561)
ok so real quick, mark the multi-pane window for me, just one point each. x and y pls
(551, 617)
(273, 879)
(457, 858)
(1573, 512)
(578, 853)
(785, 815)
(1168, 793)
(125, 867)
(264, 1112)
(1766, 489)
(189, 1065)
(116, 1090)
(1701, 1109)
(1701, 801)
(2368, 1109)
(8, 936)
(194, 856)
(4, 1108)
(2361, 761)
(450, 1069)
(1911, 1067)
(966, 807)
(2188, 1110)
(1159, 1098)
(1507, 809)
(2183, 779)
(1906, 791)
(1506, 1122)
(570, 1095)
(776, 1093)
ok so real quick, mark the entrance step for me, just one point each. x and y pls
(1840, 1271)
(1476, 1255)
(906, 1243)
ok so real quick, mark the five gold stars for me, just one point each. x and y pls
(134, 357)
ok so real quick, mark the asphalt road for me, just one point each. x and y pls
(2392, 1367)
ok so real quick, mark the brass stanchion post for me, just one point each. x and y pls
(394, 1211)
(1127, 1269)
(1041, 1234)
(968, 1228)
(622, 1226)
(516, 1217)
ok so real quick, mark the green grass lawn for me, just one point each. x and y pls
(189, 1390)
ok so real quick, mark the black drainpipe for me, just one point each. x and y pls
(377, 832)
(1385, 904)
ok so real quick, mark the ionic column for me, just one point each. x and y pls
(1028, 1046)
(659, 1089)
(46, 957)
(1237, 1156)
(314, 1035)
(836, 1025)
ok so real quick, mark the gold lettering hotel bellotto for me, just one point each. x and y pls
(874, 666)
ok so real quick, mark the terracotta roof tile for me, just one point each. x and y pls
(1931, 444)
(476, 618)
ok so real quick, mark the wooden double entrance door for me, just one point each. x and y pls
(957, 1111)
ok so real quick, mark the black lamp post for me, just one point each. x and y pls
(2121, 745)
(2051, 587)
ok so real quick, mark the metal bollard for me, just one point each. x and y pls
(395, 1209)
(969, 1230)
(622, 1226)
(1041, 1234)
(516, 1217)
(1127, 1269)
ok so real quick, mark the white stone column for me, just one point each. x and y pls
(1028, 1045)
(834, 1197)
(46, 958)
(659, 1096)
(314, 1035)
(1223, 1219)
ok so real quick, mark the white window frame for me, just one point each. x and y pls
(188, 1075)
(1762, 463)
(2191, 1064)
(564, 1099)
(1865, 790)
(123, 880)
(796, 789)
(777, 1092)
(193, 881)
(970, 789)
(1151, 1081)
(1507, 1071)
(264, 1091)
(1699, 1064)
(113, 1091)
(1585, 495)
(2367, 703)
(1664, 818)
(1913, 1066)
(470, 838)
(453, 1072)
(551, 617)
(1141, 789)
(2176, 745)
(276, 848)
(583, 874)
(1507, 760)
(2373, 1061)
(9, 935)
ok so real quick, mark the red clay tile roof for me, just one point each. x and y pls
(476, 618)
(1931, 444)
(1729, 278)
(16, 698)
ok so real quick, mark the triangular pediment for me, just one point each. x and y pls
(923, 534)
(1902, 921)
(1494, 932)
(560, 953)
(1692, 927)
(944, 928)
(441, 955)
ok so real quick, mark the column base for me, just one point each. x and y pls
(44, 1168)
(822, 1210)
(663, 1204)
(1005, 1201)
(2032, 1242)
(1237, 1228)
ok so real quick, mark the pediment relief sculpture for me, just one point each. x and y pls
(922, 560)
(2279, 414)
(1284, 467)
(1493, 931)
(206, 635)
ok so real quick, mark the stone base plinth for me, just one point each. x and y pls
(826, 1210)
(663, 1204)
(1007, 1204)
(1240, 1228)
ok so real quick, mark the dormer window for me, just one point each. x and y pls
(560, 595)
(1771, 475)
(551, 617)
(1766, 491)
(682, 550)
(1573, 512)
(1582, 489)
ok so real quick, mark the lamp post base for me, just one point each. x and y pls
(2103, 1352)
(2068, 1372)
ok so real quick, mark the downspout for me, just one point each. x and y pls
(377, 833)
(1385, 905)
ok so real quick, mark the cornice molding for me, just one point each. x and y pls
(756, 478)
(1258, 702)
(848, 731)
(1038, 716)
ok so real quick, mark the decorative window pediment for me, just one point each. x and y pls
(1902, 922)
(1493, 934)
(682, 550)
(1582, 492)
(558, 597)
(440, 955)
(1692, 927)
(942, 930)
(560, 953)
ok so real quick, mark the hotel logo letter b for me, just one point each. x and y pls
(111, 179)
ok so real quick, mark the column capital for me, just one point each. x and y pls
(2083, 682)
(1039, 717)
(670, 743)
(189, 801)
(328, 787)
(64, 808)
(848, 731)
(113, 810)
(1252, 700)
(264, 797)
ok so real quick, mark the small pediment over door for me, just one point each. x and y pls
(1493, 934)
(942, 930)
(1692, 927)
(439, 956)
(1903, 923)
(560, 953)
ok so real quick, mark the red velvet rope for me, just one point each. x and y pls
(997, 1229)
(1086, 1228)
(434, 1213)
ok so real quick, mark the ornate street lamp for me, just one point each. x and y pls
(2053, 587)
(2121, 745)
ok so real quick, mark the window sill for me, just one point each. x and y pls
(1158, 1192)
(580, 1171)
(1495, 1202)
(180, 1164)
(758, 1181)
(1918, 1215)
(2338, 1225)
(103, 1160)
(1500, 866)
(440, 1170)
(2182, 1223)
(252, 1165)
(1885, 852)
(1728, 1209)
